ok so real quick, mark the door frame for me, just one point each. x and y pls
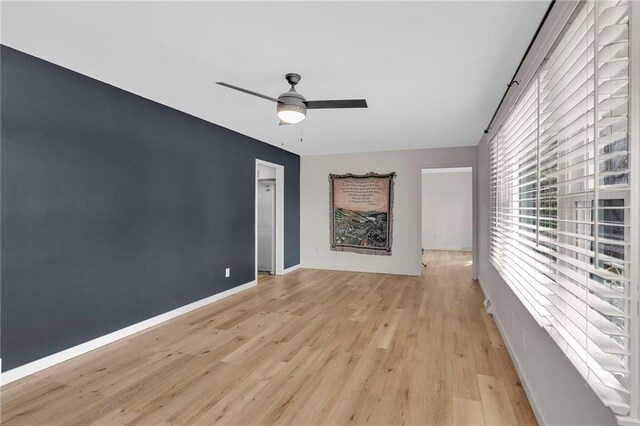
(279, 216)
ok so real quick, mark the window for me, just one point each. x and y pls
(560, 200)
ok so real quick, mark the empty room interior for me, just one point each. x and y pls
(320, 213)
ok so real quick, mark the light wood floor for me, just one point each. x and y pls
(313, 347)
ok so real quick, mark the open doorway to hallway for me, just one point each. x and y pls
(447, 211)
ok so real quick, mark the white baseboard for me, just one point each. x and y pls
(441, 248)
(48, 361)
(627, 421)
(332, 267)
(291, 269)
(523, 378)
(484, 290)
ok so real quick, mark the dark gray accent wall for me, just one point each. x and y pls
(116, 208)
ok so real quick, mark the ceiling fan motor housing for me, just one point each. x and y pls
(292, 101)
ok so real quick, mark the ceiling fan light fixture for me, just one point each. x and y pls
(291, 113)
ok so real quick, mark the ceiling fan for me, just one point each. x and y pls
(292, 106)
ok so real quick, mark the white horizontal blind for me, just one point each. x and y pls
(560, 197)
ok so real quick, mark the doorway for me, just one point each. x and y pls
(447, 220)
(269, 219)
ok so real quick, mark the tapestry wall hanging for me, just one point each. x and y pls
(361, 209)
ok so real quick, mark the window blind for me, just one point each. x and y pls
(560, 198)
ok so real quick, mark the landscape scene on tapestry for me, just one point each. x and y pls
(361, 228)
(361, 213)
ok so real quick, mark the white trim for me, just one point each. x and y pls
(627, 421)
(447, 170)
(443, 248)
(368, 270)
(523, 378)
(634, 161)
(279, 216)
(291, 269)
(48, 361)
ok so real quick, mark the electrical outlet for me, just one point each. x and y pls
(227, 272)
(487, 306)
(523, 344)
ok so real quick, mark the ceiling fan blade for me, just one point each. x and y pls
(344, 103)
(260, 95)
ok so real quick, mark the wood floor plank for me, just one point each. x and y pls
(241, 395)
(495, 401)
(464, 376)
(386, 331)
(467, 412)
(311, 347)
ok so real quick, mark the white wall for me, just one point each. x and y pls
(447, 209)
(555, 388)
(314, 206)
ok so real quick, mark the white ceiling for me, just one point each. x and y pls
(432, 72)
